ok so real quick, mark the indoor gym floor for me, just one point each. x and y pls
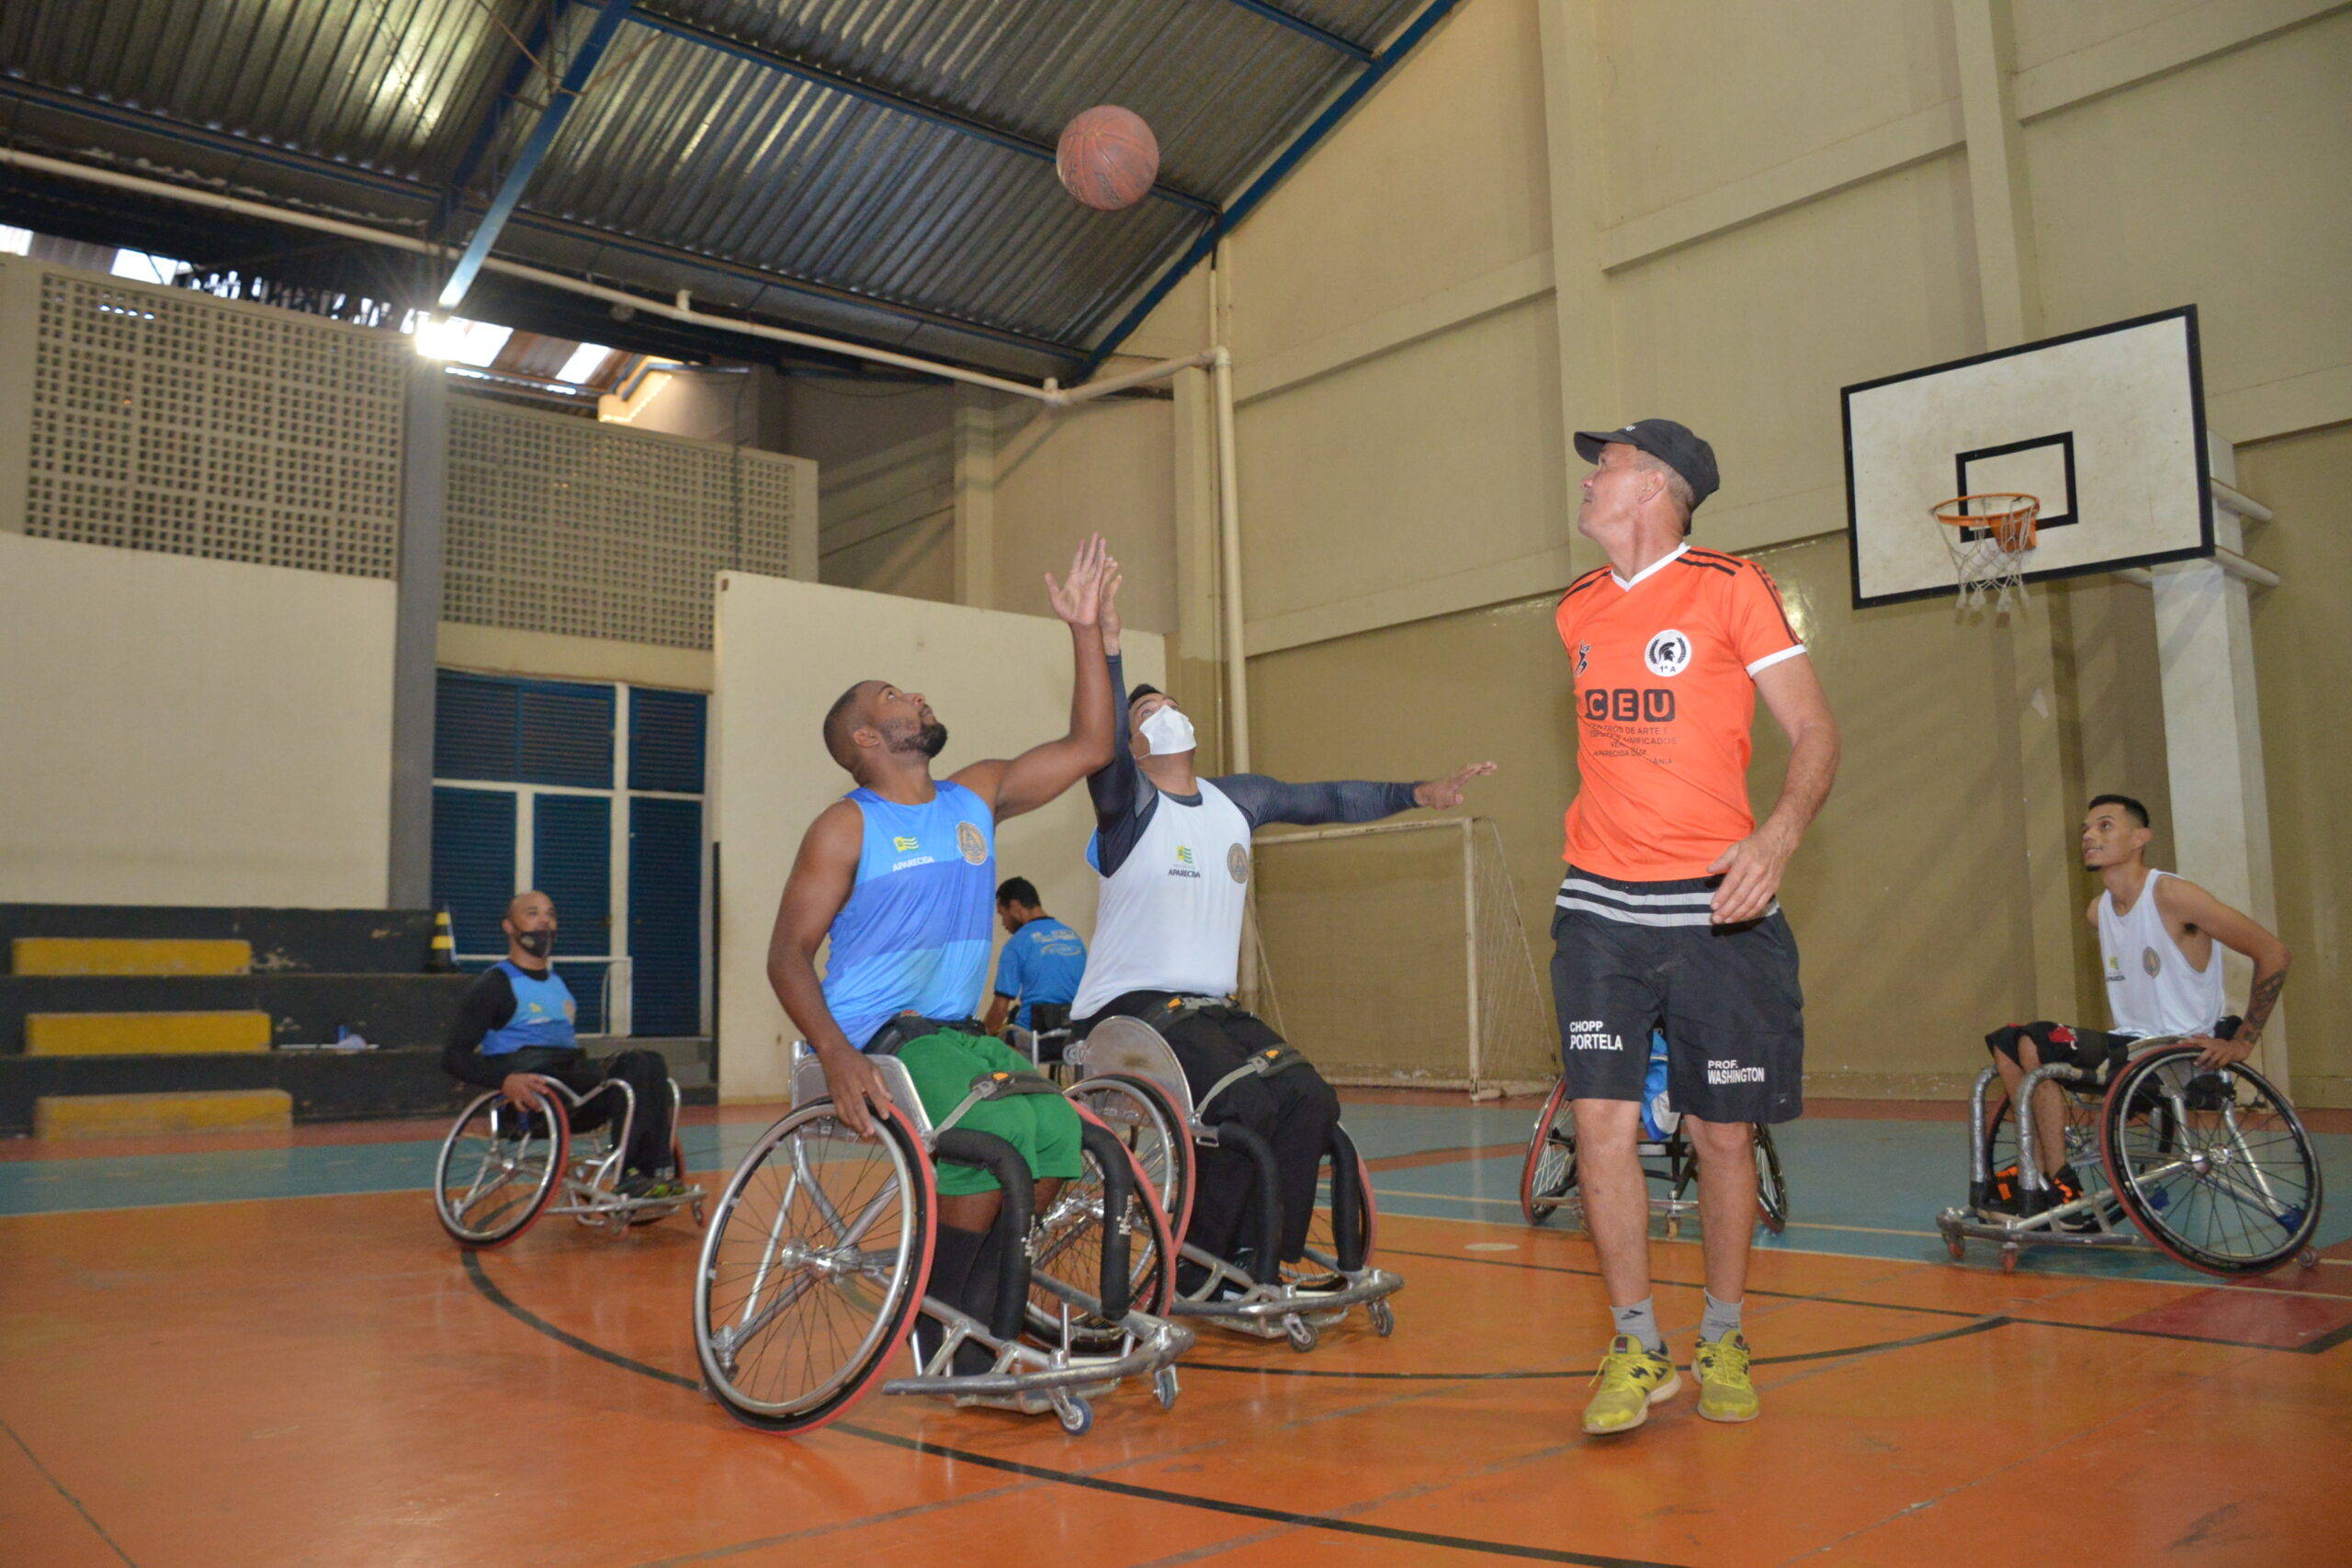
(262, 1351)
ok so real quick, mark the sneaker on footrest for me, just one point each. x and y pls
(651, 1189)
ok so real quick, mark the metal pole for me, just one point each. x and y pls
(1470, 938)
(1228, 507)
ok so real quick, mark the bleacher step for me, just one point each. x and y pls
(129, 956)
(196, 1110)
(145, 1033)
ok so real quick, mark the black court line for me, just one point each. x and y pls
(2318, 1346)
(34, 1460)
(523, 1314)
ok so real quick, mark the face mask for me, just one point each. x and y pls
(1168, 731)
(538, 944)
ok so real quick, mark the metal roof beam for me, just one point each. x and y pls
(601, 33)
(1323, 36)
(510, 91)
(1273, 175)
(946, 119)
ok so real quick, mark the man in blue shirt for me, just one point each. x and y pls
(1041, 962)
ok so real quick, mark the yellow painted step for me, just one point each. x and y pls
(143, 1034)
(200, 1110)
(131, 955)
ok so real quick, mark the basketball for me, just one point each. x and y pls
(1107, 158)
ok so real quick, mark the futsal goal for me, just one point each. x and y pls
(1393, 953)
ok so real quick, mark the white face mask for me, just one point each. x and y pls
(1168, 731)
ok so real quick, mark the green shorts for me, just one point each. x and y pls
(1044, 1127)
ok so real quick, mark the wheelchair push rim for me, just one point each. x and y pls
(1138, 1113)
(2211, 1164)
(1069, 1248)
(1549, 1173)
(813, 1267)
(491, 1185)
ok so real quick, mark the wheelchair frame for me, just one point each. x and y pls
(1682, 1169)
(2041, 1221)
(583, 1186)
(1024, 1378)
(1130, 1052)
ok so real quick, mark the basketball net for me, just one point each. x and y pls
(1990, 538)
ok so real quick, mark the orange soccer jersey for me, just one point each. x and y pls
(1666, 668)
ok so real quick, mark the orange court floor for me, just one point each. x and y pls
(264, 1351)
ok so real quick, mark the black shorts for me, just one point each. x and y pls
(1629, 957)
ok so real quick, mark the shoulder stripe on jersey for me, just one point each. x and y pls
(1786, 625)
(1581, 583)
(1694, 559)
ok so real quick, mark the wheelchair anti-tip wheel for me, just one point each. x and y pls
(1067, 1244)
(2211, 1163)
(1549, 1173)
(813, 1267)
(497, 1170)
(1138, 1112)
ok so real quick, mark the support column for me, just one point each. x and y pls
(976, 415)
(425, 469)
(2220, 801)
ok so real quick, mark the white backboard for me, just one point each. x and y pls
(2105, 428)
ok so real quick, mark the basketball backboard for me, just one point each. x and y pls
(2106, 426)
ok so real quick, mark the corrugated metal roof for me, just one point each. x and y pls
(877, 167)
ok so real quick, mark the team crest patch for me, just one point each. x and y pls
(1584, 656)
(2150, 962)
(903, 845)
(972, 842)
(1237, 862)
(1669, 653)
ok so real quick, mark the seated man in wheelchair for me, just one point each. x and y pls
(2157, 934)
(1173, 852)
(899, 875)
(1037, 972)
(515, 1033)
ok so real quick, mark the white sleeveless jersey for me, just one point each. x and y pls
(2152, 988)
(1170, 918)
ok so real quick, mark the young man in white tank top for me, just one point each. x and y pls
(2156, 936)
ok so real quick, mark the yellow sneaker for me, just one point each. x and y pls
(1724, 1393)
(1631, 1380)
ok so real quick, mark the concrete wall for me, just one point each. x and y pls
(1000, 683)
(187, 731)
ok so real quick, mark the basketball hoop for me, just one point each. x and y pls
(1992, 537)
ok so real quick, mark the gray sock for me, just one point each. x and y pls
(1721, 1321)
(1639, 1323)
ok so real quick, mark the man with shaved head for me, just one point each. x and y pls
(515, 1033)
(901, 876)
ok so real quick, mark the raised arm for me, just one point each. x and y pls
(1042, 773)
(822, 875)
(2185, 903)
(1264, 800)
(1752, 868)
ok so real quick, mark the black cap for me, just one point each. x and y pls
(1670, 442)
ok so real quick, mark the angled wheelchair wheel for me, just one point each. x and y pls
(497, 1170)
(813, 1268)
(1322, 1238)
(1068, 1246)
(2211, 1163)
(1772, 1187)
(1549, 1174)
(2082, 1143)
(1138, 1112)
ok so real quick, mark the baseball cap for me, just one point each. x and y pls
(1670, 442)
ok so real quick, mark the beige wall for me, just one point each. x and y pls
(1063, 473)
(188, 731)
(1000, 683)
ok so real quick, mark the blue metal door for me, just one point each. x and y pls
(665, 915)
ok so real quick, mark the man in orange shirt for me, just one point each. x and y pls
(1666, 916)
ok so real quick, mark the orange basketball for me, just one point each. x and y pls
(1108, 157)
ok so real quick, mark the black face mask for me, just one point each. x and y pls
(537, 944)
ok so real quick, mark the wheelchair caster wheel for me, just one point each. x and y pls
(1383, 1317)
(701, 1221)
(1304, 1334)
(1674, 1230)
(2008, 1260)
(1163, 1387)
(1077, 1417)
(1957, 1247)
(2307, 1258)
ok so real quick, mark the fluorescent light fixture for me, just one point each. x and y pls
(585, 362)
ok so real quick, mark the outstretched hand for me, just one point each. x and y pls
(1078, 599)
(1444, 794)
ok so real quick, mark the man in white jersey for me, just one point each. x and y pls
(1173, 851)
(2156, 935)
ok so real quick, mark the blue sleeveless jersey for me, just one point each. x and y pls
(543, 1014)
(914, 935)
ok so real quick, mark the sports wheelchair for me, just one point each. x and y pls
(502, 1166)
(1129, 1080)
(819, 1260)
(1547, 1179)
(1043, 1040)
(2211, 1164)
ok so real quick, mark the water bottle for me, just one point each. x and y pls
(1659, 1117)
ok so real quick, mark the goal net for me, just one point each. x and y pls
(1394, 955)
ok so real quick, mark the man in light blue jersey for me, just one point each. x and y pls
(1041, 964)
(901, 876)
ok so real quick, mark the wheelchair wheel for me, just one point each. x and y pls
(1067, 1244)
(1549, 1174)
(2211, 1163)
(1322, 1240)
(1771, 1188)
(1136, 1110)
(813, 1268)
(497, 1170)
